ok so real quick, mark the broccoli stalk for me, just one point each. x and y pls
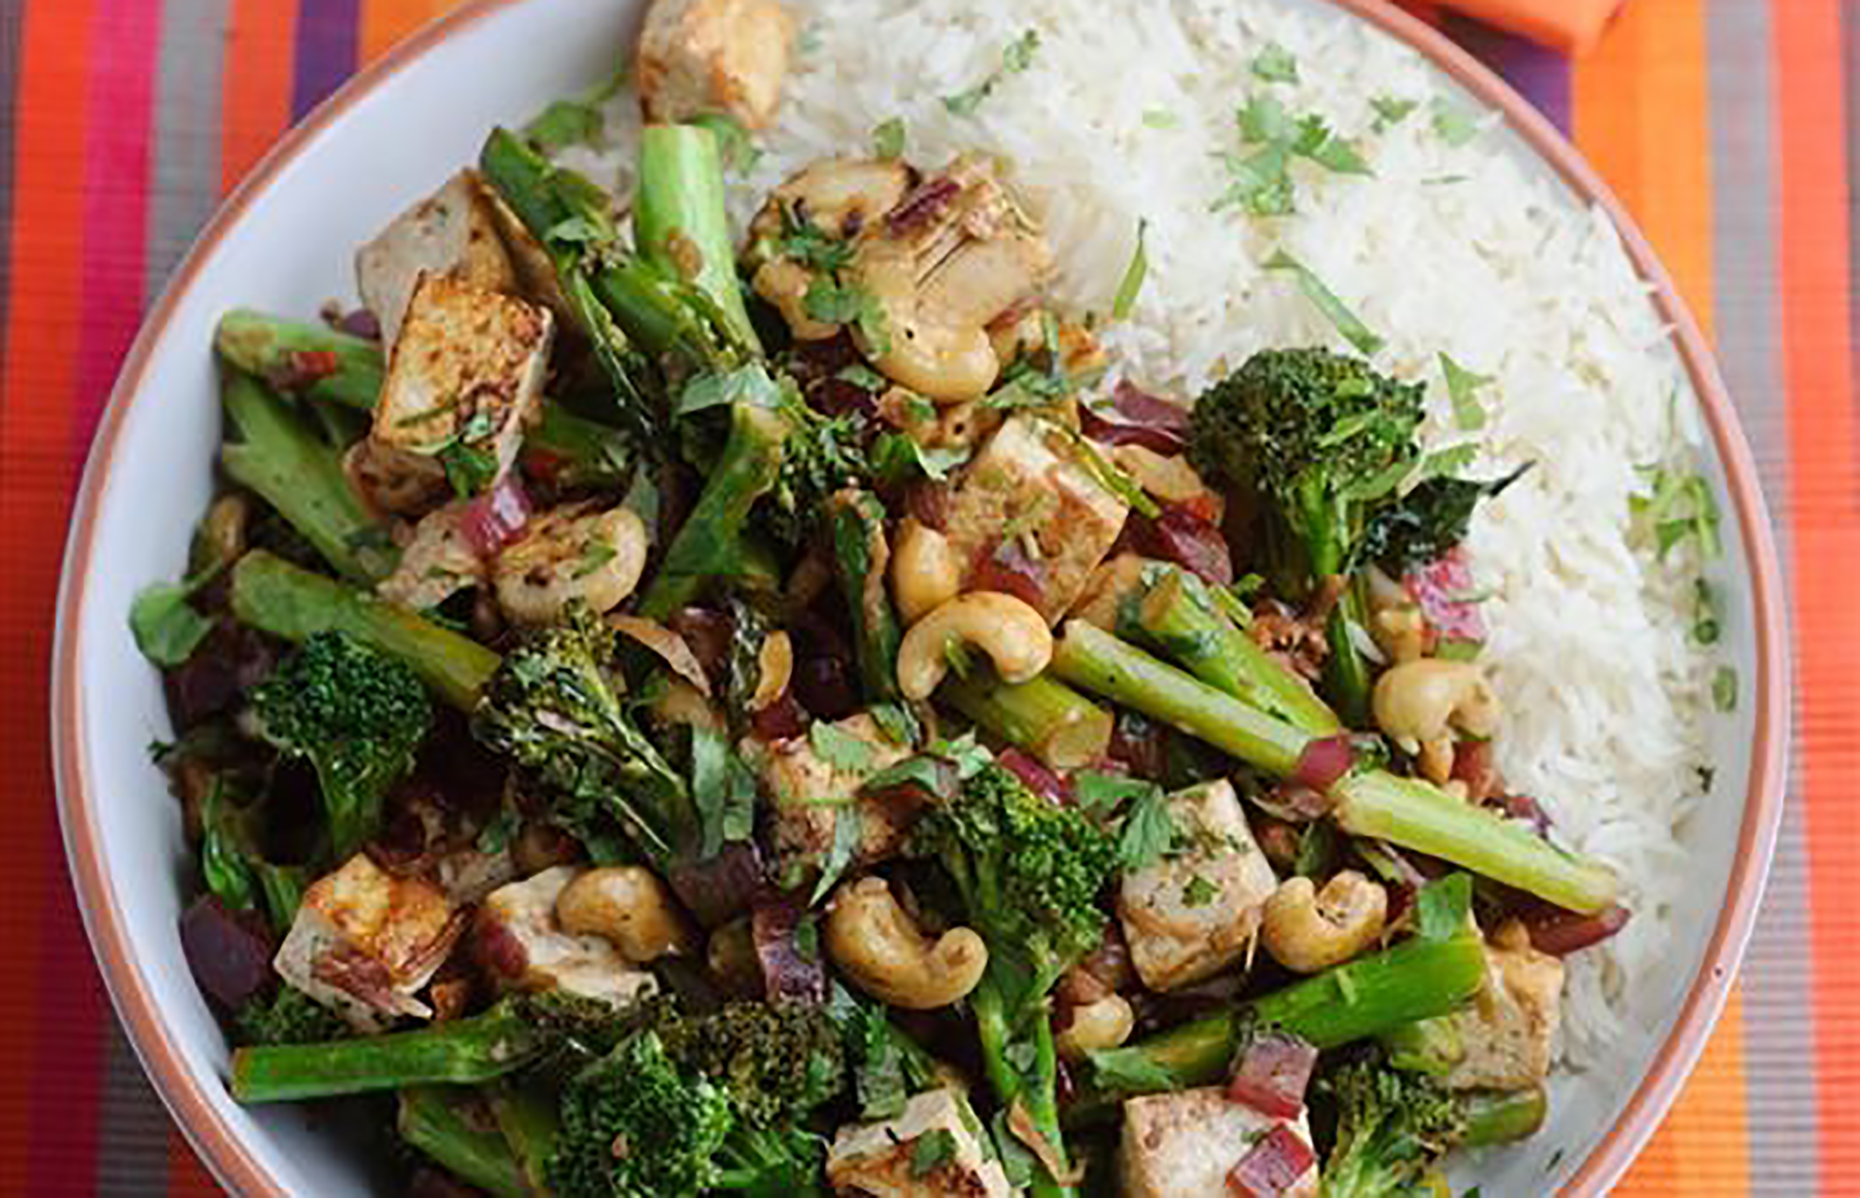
(1393, 1126)
(1369, 803)
(526, 1114)
(447, 1125)
(856, 521)
(277, 456)
(680, 224)
(311, 360)
(358, 716)
(1029, 874)
(273, 596)
(1417, 979)
(1043, 716)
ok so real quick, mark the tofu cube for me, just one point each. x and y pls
(1189, 1141)
(364, 942)
(1508, 1031)
(453, 232)
(521, 944)
(714, 56)
(878, 1159)
(467, 370)
(1195, 911)
(1063, 521)
(810, 795)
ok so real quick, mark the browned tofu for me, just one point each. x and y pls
(522, 945)
(1109, 588)
(452, 232)
(365, 942)
(1196, 911)
(1029, 481)
(809, 796)
(1176, 1145)
(877, 1159)
(467, 371)
(714, 56)
(1509, 1030)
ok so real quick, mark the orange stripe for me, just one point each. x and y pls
(1824, 468)
(256, 102)
(38, 375)
(385, 22)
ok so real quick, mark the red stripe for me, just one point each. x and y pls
(51, 1008)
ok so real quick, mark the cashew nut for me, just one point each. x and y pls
(1307, 929)
(924, 570)
(1106, 1023)
(628, 906)
(221, 538)
(883, 951)
(567, 554)
(1012, 633)
(774, 669)
(1420, 704)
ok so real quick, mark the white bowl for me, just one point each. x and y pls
(283, 243)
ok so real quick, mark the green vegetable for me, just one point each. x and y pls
(1679, 508)
(1325, 300)
(1428, 521)
(1147, 833)
(448, 1125)
(1394, 1126)
(888, 139)
(277, 456)
(1724, 689)
(1016, 57)
(736, 147)
(1453, 124)
(358, 716)
(287, 1016)
(166, 626)
(1052, 721)
(857, 527)
(724, 790)
(680, 224)
(822, 456)
(1391, 110)
(1262, 183)
(273, 596)
(1461, 386)
(1275, 64)
(311, 360)
(1125, 302)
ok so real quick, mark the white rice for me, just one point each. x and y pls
(1461, 249)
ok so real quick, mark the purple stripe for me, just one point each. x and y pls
(326, 47)
(1539, 74)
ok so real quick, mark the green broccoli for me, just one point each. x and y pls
(1322, 439)
(287, 1016)
(357, 715)
(777, 1064)
(1030, 874)
(1393, 1126)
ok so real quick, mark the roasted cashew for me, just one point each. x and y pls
(944, 359)
(1307, 929)
(1106, 1023)
(883, 951)
(774, 669)
(628, 906)
(1012, 633)
(1420, 704)
(924, 571)
(567, 554)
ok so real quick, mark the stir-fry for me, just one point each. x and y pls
(677, 717)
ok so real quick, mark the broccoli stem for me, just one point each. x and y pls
(1430, 1046)
(1414, 815)
(1178, 612)
(1047, 718)
(680, 223)
(710, 542)
(271, 595)
(463, 1052)
(1417, 979)
(277, 456)
(529, 1122)
(1035, 1086)
(437, 1121)
(1503, 1116)
(1372, 803)
(1092, 658)
(856, 523)
(1346, 674)
(335, 367)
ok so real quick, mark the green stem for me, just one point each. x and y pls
(1430, 1046)
(271, 595)
(711, 538)
(1414, 815)
(1346, 674)
(439, 1123)
(463, 1052)
(681, 225)
(1503, 1117)
(1092, 658)
(856, 524)
(1178, 612)
(579, 452)
(1036, 1088)
(1047, 718)
(529, 1121)
(277, 456)
(275, 349)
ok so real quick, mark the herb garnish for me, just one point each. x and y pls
(1127, 291)
(888, 139)
(1346, 322)
(1016, 57)
(1468, 415)
(1275, 64)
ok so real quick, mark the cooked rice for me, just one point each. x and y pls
(1460, 249)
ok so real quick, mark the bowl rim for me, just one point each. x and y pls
(240, 1169)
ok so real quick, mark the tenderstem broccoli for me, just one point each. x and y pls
(447, 1124)
(1044, 716)
(311, 360)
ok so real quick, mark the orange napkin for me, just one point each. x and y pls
(1572, 26)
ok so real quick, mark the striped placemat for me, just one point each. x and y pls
(1723, 124)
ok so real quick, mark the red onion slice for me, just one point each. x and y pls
(1040, 780)
(1135, 417)
(497, 517)
(1323, 762)
(228, 952)
(1272, 1166)
(1182, 537)
(1559, 932)
(793, 977)
(1272, 1073)
(1444, 588)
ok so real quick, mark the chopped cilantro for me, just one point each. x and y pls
(1125, 301)
(735, 146)
(862, 376)
(807, 243)
(1099, 794)
(1148, 832)
(1199, 892)
(1441, 907)
(495, 837)
(594, 555)
(1707, 613)
(576, 120)
(839, 748)
(1346, 322)
(932, 1150)
(749, 384)
(1275, 64)
(848, 832)
(888, 139)
(1261, 181)
(1161, 118)
(1391, 110)
(1468, 415)
(1679, 508)
(1453, 124)
(723, 790)
(897, 459)
(1724, 689)
(1016, 57)
(469, 468)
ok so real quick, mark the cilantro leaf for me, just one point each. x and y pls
(1453, 124)
(898, 459)
(1468, 415)
(1125, 301)
(932, 1150)
(1391, 110)
(1442, 906)
(735, 146)
(888, 139)
(1275, 64)
(1346, 322)
(839, 748)
(1724, 689)
(723, 790)
(1148, 832)
(1016, 57)
(1100, 793)
(848, 833)
(1199, 892)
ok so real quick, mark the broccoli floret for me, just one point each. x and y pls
(552, 708)
(357, 715)
(1391, 1129)
(777, 1064)
(822, 455)
(287, 1016)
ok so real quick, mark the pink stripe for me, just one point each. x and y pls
(116, 186)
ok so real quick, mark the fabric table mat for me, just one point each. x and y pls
(1725, 126)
